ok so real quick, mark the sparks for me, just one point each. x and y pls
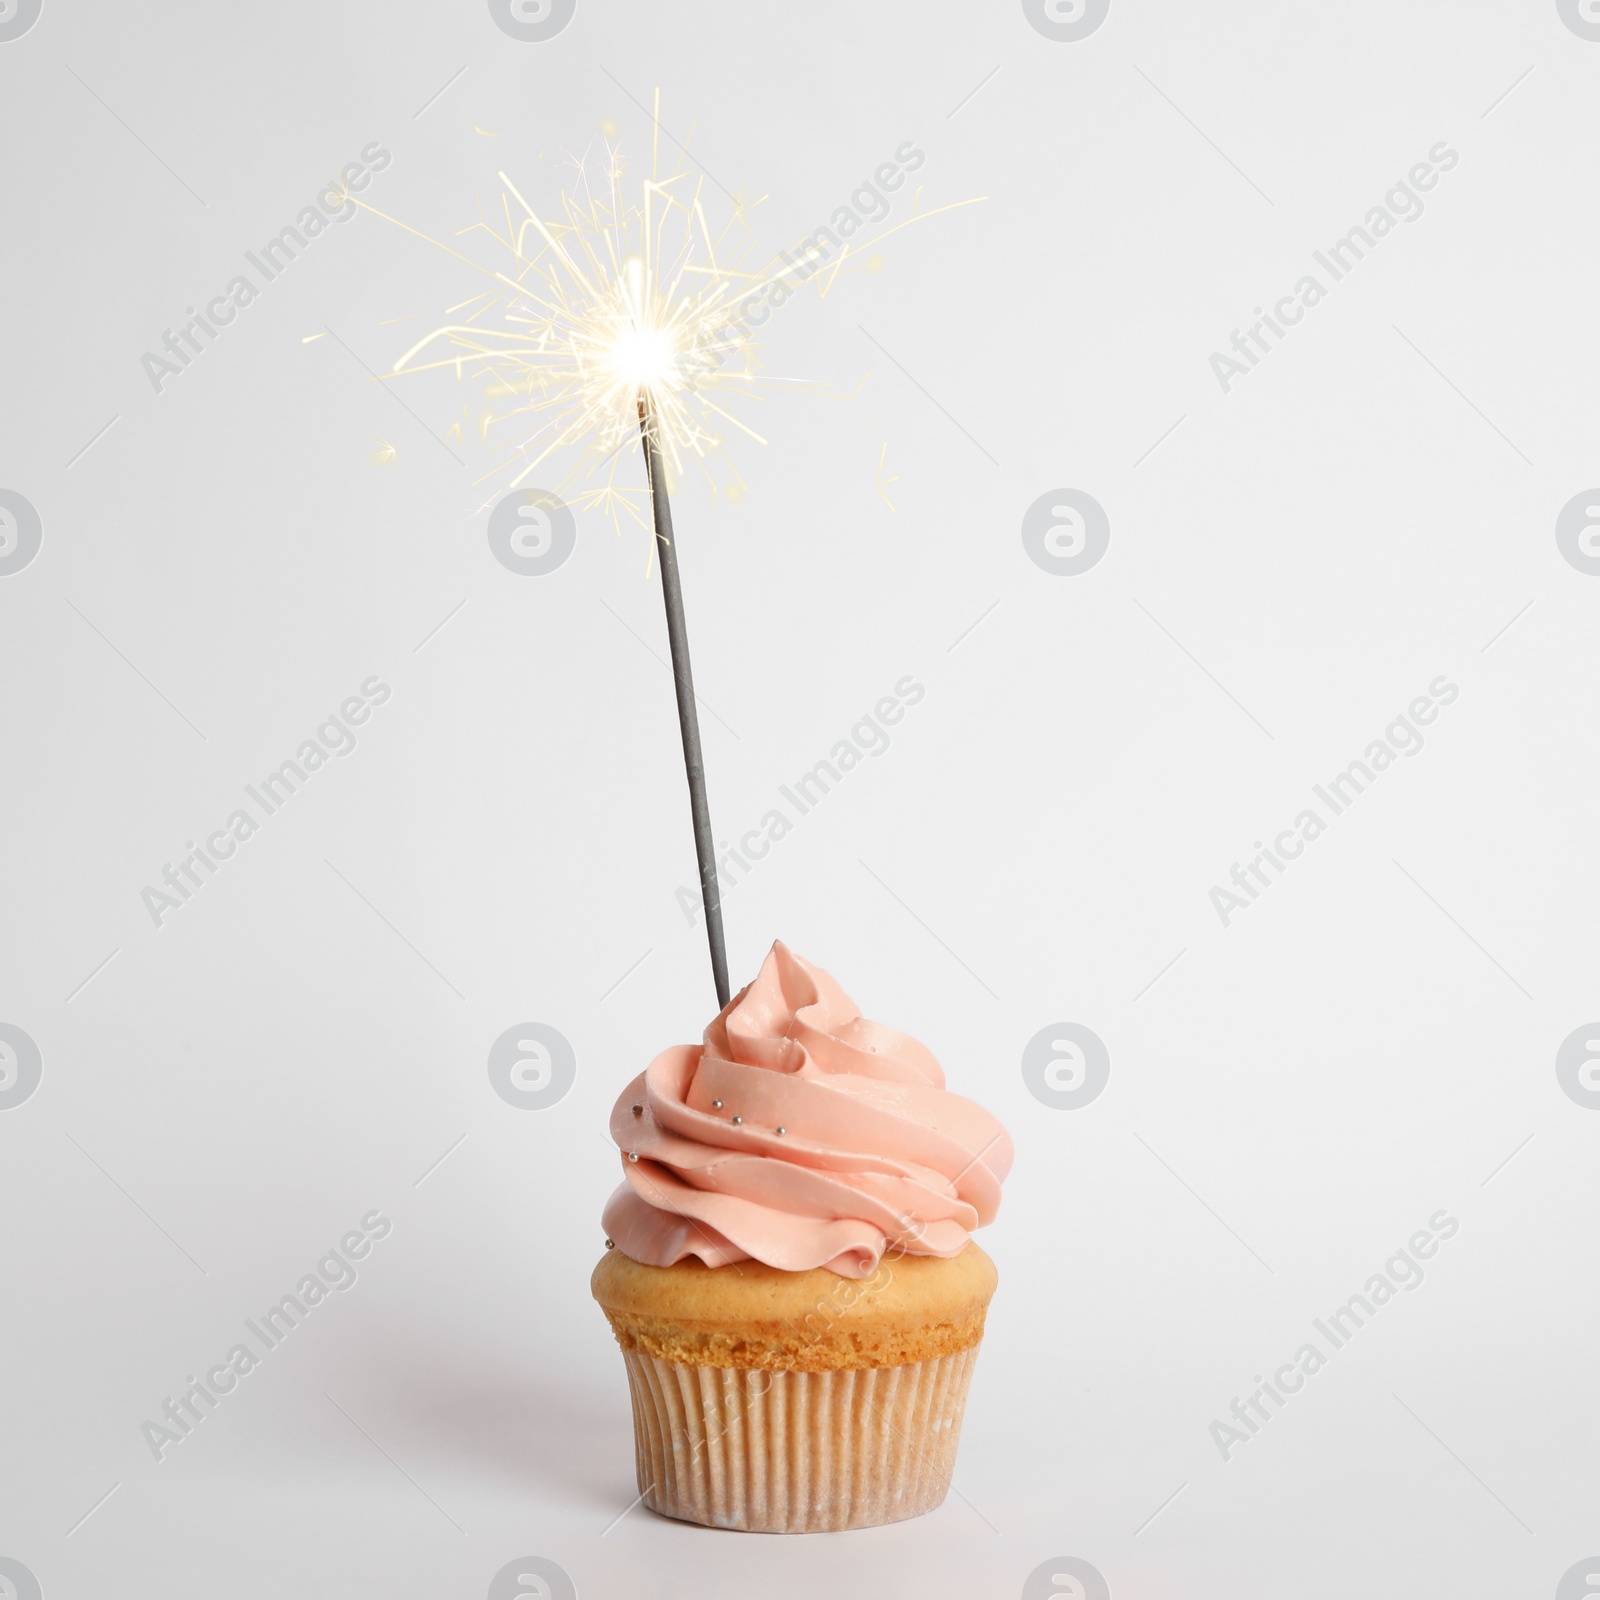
(613, 309)
(622, 305)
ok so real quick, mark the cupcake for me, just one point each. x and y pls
(789, 1269)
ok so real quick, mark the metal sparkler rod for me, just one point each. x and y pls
(688, 719)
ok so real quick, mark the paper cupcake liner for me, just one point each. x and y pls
(796, 1452)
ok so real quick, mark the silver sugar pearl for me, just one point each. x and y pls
(611, 1244)
(633, 1155)
(716, 1105)
(781, 1131)
(738, 1119)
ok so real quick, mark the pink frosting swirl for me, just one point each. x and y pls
(802, 1135)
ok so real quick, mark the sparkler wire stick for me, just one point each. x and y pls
(688, 717)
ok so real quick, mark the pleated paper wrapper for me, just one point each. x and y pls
(796, 1452)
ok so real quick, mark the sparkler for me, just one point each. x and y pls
(618, 320)
(612, 319)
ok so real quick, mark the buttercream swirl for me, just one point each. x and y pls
(802, 1135)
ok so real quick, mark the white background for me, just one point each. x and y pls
(1289, 1099)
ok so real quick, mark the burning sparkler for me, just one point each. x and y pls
(620, 319)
